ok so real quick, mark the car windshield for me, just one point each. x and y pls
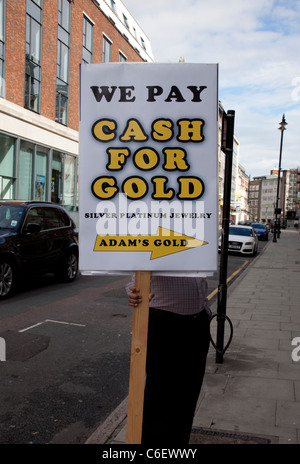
(258, 226)
(240, 231)
(10, 216)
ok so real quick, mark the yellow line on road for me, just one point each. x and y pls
(215, 291)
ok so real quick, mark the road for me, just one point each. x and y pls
(68, 356)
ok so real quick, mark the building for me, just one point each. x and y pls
(268, 198)
(234, 200)
(242, 192)
(42, 43)
(289, 193)
(254, 199)
(262, 198)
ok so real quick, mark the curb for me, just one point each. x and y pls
(111, 426)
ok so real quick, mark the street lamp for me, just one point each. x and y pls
(282, 125)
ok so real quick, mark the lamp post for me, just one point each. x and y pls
(282, 125)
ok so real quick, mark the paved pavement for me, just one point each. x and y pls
(255, 392)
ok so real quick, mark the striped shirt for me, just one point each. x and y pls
(181, 295)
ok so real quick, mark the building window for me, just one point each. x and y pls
(113, 5)
(25, 170)
(7, 167)
(87, 41)
(41, 174)
(143, 43)
(63, 58)
(2, 48)
(69, 180)
(33, 55)
(106, 53)
(125, 21)
(122, 57)
(56, 179)
(30, 171)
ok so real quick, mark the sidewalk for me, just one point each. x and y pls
(254, 395)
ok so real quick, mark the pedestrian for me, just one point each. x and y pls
(177, 347)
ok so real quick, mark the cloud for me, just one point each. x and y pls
(257, 47)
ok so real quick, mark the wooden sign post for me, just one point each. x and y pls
(138, 360)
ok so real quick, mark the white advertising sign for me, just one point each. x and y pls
(148, 167)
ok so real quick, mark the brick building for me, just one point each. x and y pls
(42, 43)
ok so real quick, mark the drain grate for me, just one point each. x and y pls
(221, 437)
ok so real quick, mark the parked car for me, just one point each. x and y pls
(261, 230)
(242, 239)
(35, 238)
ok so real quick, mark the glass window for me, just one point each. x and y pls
(64, 8)
(34, 216)
(65, 218)
(33, 39)
(69, 178)
(125, 21)
(106, 53)
(143, 43)
(32, 89)
(61, 109)
(34, 9)
(87, 41)
(7, 162)
(122, 57)
(113, 5)
(52, 219)
(33, 55)
(56, 178)
(63, 56)
(40, 191)
(25, 170)
(62, 61)
(10, 216)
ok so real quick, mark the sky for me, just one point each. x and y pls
(257, 46)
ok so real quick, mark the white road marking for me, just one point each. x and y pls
(50, 320)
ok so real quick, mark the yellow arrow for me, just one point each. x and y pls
(165, 242)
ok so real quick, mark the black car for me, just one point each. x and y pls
(35, 238)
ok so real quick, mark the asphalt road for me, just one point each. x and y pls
(68, 356)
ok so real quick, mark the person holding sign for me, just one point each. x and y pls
(177, 347)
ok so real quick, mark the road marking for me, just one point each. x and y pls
(51, 320)
(215, 291)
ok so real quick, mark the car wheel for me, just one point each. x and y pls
(7, 279)
(70, 268)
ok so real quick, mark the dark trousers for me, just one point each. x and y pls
(176, 358)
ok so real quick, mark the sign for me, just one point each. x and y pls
(148, 167)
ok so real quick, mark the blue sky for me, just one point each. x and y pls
(257, 46)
